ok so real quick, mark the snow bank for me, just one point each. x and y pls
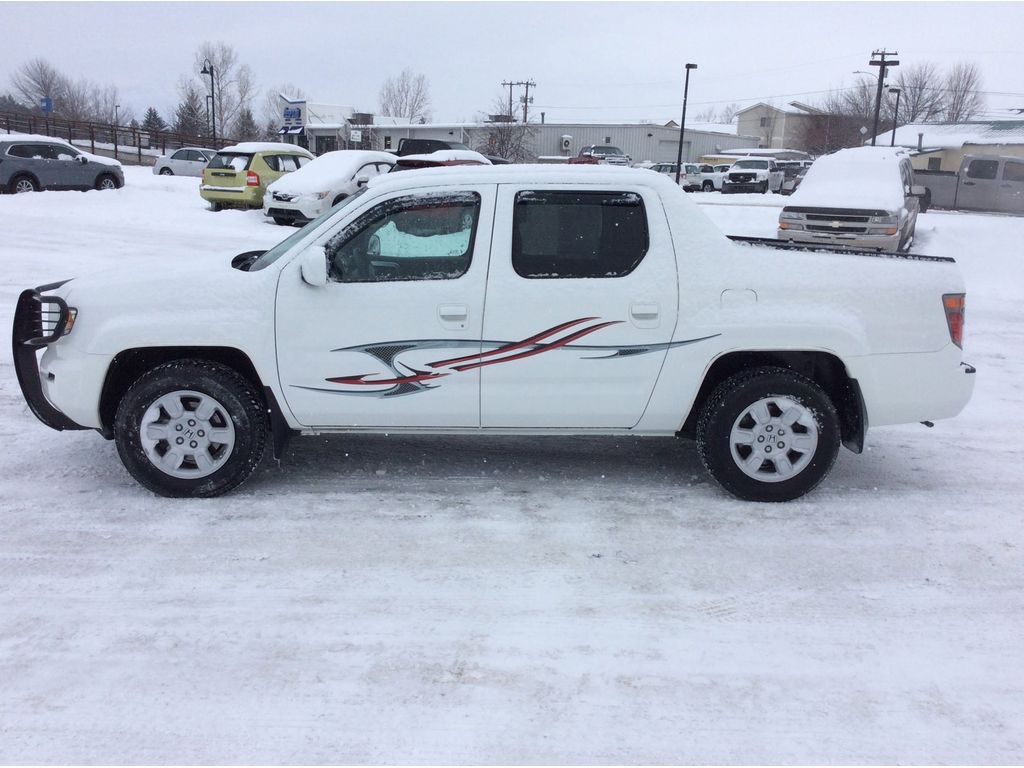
(328, 171)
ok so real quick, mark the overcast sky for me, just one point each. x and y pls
(591, 61)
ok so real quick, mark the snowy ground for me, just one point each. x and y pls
(382, 599)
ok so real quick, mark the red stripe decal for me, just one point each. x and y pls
(375, 382)
(544, 348)
(515, 345)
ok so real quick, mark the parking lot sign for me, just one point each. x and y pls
(46, 104)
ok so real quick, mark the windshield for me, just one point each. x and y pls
(753, 164)
(606, 151)
(285, 245)
(230, 161)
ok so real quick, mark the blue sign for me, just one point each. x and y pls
(46, 104)
(293, 116)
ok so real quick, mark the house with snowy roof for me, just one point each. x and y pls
(777, 127)
(941, 146)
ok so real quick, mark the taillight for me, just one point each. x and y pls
(252, 179)
(954, 304)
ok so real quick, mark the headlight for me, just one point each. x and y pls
(889, 219)
(790, 215)
(321, 195)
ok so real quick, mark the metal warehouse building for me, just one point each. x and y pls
(641, 141)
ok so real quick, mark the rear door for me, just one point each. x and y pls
(228, 171)
(405, 294)
(1011, 187)
(582, 299)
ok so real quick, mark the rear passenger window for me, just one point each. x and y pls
(34, 151)
(1013, 171)
(578, 234)
(982, 169)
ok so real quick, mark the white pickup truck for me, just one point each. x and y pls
(501, 300)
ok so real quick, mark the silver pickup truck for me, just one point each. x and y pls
(984, 183)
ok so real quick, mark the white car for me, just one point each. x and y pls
(712, 176)
(479, 300)
(187, 161)
(753, 174)
(689, 179)
(303, 195)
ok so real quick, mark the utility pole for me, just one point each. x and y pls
(529, 84)
(682, 122)
(895, 116)
(878, 60)
(526, 99)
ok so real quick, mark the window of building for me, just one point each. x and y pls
(934, 163)
(764, 122)
(982, 169)
(387, 142)
(578, 234)
(416, 237)
(1013, 171)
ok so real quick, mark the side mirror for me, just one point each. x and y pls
(313, 267)
(362, 181)
(83, 159)
(918, 191)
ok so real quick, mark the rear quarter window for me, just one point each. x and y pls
(560, 235)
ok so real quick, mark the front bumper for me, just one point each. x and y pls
(297, 211)
(33, 315)
(744, 186)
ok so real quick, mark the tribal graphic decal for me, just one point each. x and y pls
(409, 380)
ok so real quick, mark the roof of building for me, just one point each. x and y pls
(797, 108)
(956, 135)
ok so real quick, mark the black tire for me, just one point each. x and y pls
(338, 199)
(22, 183)
(707, 186)
(105, 181)
(216, 207)
(282, 221)
(731, 404)
(166, 172)
(764, 189)
(239, 401)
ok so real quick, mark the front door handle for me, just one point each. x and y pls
(453, 316)
(968, 183)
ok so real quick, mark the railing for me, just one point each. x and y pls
(121, 141)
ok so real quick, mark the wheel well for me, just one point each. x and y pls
(104, 174)
(826, 370)
(128, 365)
(26, 175)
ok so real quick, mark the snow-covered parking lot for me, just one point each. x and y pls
(516, 600)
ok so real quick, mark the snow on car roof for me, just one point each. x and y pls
(448, 155)
(329, 170)
(61, 142)
(862, 177)
(251, 147)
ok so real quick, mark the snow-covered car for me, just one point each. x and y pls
(187, 161)
(712, 176)
(864, 197)
(31, 163)
(600, 154)
(239, 175)
(753, 174)
(442, 157)
(689, 179)
(534, 300)
(301, 196)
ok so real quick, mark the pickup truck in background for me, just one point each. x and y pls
(712, 176)
(984, 183)
(614, 306)
(753, 174)
(601, 154)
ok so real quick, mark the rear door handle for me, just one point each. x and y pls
(645, 315)
(453, 316)
(968, 183)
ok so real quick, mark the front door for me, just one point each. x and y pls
(405, 291)
(582, 300)
(977, 185)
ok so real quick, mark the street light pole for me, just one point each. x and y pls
(895, 116)
(682, 122)
(208, 70)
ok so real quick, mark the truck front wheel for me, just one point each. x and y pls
(191, 428)
(768, 434)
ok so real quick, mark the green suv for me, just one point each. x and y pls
(238, 175)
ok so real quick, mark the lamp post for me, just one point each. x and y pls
(208, 70)
(682, 122)
(117, 119)
(895, 116)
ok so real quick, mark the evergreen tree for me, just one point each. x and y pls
(152, 123)
(245, 127)
(189, 117)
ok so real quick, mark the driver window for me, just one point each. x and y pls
(415, 237)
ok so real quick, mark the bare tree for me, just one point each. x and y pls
(235, 86)
(709, 115)
(407, 95)
(728, 113)
(37, 79)
(921, 92)
(963, 99)
(505, 137)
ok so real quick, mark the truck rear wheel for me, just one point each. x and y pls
(191, 428)
(768, 434)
